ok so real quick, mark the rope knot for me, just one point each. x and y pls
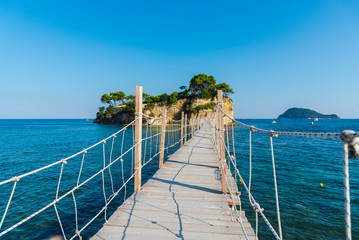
(16, 179)
(104, 141)
(348, 136)
(256, 207)
(84, 151)
(273, 133)
(114, 136)
(252, 128)
(64, 161)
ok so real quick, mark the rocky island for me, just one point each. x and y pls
(196, 100)
(305, 113)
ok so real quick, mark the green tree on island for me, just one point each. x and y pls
(203, 86)
(200, 86)
(114, 98)
(118, 97)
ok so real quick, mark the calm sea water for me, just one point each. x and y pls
(307, 210)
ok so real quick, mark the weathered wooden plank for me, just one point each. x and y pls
(112, 233)
(182, 200)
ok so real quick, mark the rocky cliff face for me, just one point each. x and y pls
(117, 118)
(173, 111)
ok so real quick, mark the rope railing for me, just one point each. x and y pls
(17, 178)
(173, 134)
(157, 136)
(256, 207)
(221, 138)
(233, 197)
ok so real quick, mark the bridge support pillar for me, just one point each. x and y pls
(138, 138)
(182, 119)
(220, 138)
(163, 136)
(185, 128)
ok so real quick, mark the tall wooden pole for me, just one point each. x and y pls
(218, 134)
(138, 138)
(163, 136)
(182, 116)
(214, 130)
(222, 164)
(185, 128)
(192, 127)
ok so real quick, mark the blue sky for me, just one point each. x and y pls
(58, 57)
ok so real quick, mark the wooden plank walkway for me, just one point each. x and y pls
(183, 200)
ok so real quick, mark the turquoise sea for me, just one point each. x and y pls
(308, 211)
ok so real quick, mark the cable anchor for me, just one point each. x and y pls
(347, 136)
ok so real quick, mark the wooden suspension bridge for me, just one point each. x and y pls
(193, 195)
(184, 200)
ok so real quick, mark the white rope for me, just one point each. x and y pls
(82, 163)
(250, 168)
(122, 171)
(133, 151)
(154, 118)
(276, 189)
(250, 181)
(145, 151)
(251, 196)
(348, 226)
(103, 178)
(234, 151)
(8, 203)
(109, 169)
(58, 218)
(76, 219)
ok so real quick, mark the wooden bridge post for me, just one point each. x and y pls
(222, 154)
(185, 128)
(138, 138)
(163, 135)
(218, 130)
(182, 116)
(214, 130)
(192, 128)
